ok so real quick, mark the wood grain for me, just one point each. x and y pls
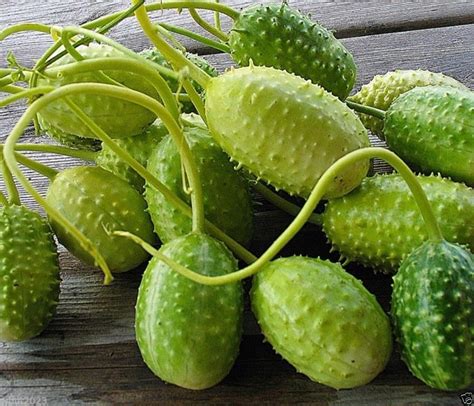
(88, 353)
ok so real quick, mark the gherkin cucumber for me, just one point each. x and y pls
(279, 36)
(379, 223)
(433, 314)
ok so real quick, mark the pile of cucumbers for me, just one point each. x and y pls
(177, 150)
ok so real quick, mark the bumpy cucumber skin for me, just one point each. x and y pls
(284, 129)
(384, 89)
(431, 128)
(281, 37)
(118, 118)
(155, 56)
(189, 334)
(29, 274)
(98, 203)
(227, 201)
(69, 140)
(139, 147)
(322, 320)
(379, 223)
(433, 314)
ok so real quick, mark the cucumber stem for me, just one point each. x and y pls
(3, 199)
(177, 58)
(220, 46)
(208, 27)
(12, 89)
(372, 111)
(316, 195)
(166, 5)
(12, 190)
(10, 159)
(46, 29)
(25, 93)
(38, 167)
(284, 204)
(217, 19)
(58, 150)
(176, 132)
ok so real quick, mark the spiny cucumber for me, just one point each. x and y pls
(433, 314)
(322, 320)
(189, 334)
(279, 36)
(227, 201)
(379, 223)
(284, 129)
(117, 118)
(98, 203)
(382, 91)
(29, 274)
(432, 128)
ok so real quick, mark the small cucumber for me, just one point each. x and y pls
(431, 128)
(227, 201)
(29, 274)
(189, 334)
(433, 314)
(322, 320)
(284, 129)
(382, 91)
(279, 36)
(98, 203)
(379, 223)
(119, 119)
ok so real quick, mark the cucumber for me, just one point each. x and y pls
(284, 129)
(29, 274)
(379, 223)
(322, 320)
(189, 334)
(382, 91)
(432, 128)
(433, 314)
(118, 118)
(97, 203)
(227, 201)
(279, 36)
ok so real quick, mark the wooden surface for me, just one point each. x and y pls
(88, 352)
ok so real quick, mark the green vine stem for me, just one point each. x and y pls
(166, 5)
(3, 199)
(46, 29)
(217, 19)
(12, 89)
(58, 150)
(208, 27)
(25, 94)
(318, 192)
(12, 190)
(10, 159)
(38, 167)
(220, 46)
(283, 204)
(372, 111)
(177, 58)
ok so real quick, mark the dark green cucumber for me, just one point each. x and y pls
(322, 320)
(379, 223)
(433, 314)
(29, 274)
(279, 36)
(432, 128)
(189, 334)
(227, 201)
